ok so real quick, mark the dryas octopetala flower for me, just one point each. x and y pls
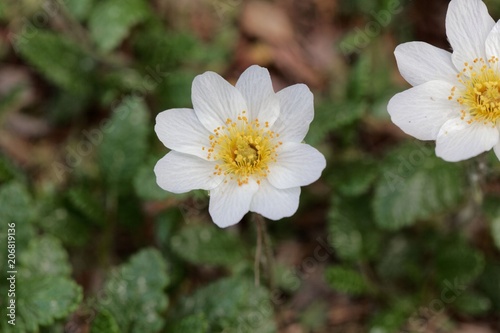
(456, 96)
(241, 143)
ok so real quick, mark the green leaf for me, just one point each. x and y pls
(489, 283)
(415, 185)
(42, 300)
(352, 232)
(394, 317)
(231, 305)
(104, 322)
(134, 293)
(457, 262)
(58, 58)
(16, 215)
(111, 21)
(124, 145)
(196, 323)
(331, 116)
(472, 303)
(209, 245)
(15, 204)
(8, 171)
(79, 8)
(47, 293)
(353, 178)
(83, 201)
(44, 256)
(346, 280)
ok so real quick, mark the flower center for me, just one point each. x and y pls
(480, 95)
(243, 149)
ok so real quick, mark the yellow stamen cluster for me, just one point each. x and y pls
(243, 149)
(480, 95)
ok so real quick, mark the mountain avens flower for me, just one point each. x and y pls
(456, 96)
(242, 143)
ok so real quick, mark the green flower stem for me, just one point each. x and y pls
(263, 240)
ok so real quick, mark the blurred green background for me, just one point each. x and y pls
(390, 239)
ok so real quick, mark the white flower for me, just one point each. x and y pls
(241, 143)
(456, 96)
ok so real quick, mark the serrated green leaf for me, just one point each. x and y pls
(47, 293)
(352, 232)
(111, 21)
(415, 185)
(44, 256)
(207, 244)
(15, 204)
(472, 303)
(58, 58)
(124, 144)
(134, 293)
(16, 215)
(346, 280)
(42, 300)
(231, 305)
(104, 322)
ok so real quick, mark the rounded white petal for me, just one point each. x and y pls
(457, 140)
(422, 110)
(256, 87)
(296, 114)
(493, 42)
(419, 62)
(229, 202)
(180, 130)
(215, 100)
(496, 149)
(468, 24)
(274, 203)
(297, 164)
(180, 173)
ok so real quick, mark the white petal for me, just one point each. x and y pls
(180, 173)
(422, 110)
(229, 202)
(297, 164)
(215, 100)
(256, 87)
(273, 203)
(497, 150)
(180, 130)
(419, 62)
(459, 140)
(493, 42)
(467, 27)
(296, 114)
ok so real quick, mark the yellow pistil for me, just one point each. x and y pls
(480, 93)
(243, 149)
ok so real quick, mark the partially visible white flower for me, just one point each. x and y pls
(456, 96)
(243, 144)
